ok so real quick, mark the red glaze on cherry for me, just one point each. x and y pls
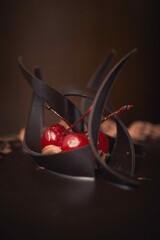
(73, 141)
(53, 135)
(103, 142)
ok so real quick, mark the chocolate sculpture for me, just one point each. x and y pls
(120, 167)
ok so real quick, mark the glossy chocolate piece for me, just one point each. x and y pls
(79, 162)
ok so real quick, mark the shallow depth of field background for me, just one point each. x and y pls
(67, 40)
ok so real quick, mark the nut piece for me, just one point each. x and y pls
(140, 130)
(51, 149)
(21, 134)
(109, 128)
(156, 132)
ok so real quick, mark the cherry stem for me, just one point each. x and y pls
(119, 111)
(71, 126)
(50, 109)
(80, 119)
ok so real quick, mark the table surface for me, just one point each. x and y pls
(38, 204)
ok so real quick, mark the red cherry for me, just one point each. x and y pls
(73, 141)
(103, 142)
(53, 135)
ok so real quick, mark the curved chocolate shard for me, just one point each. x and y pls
(34, 127)
(77, 163)
(93, 128)
(63, 106)
(98, 76)
(101, 72)
(74, 163)
(102, 96)
(123, 154)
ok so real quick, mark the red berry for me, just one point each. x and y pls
(53, 135)
(73, 141)
(103, 142)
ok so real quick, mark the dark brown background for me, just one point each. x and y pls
(68, 39)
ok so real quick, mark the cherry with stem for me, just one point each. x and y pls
(69, 141)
